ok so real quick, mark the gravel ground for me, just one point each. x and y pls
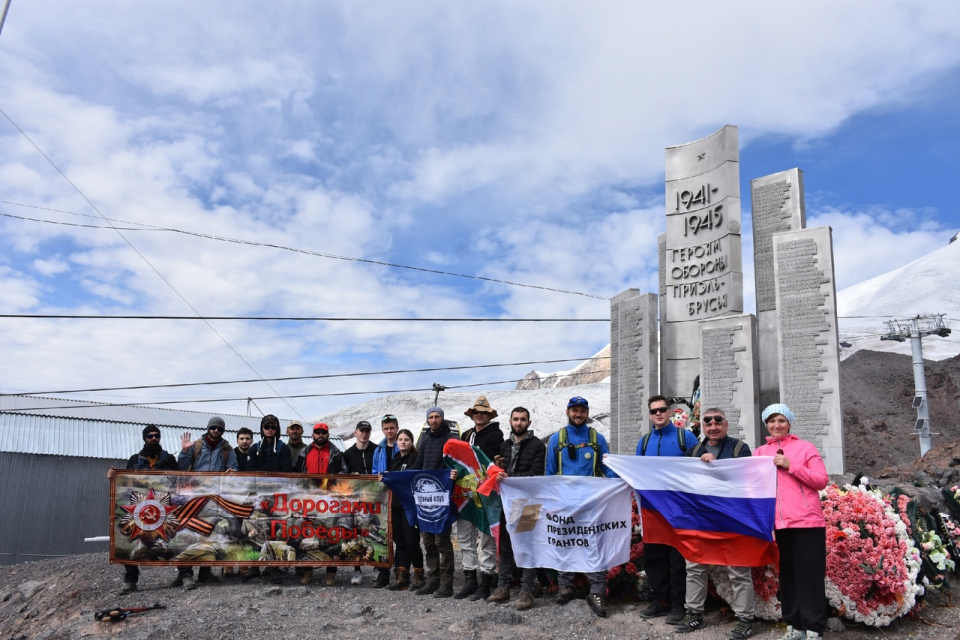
(56, 599)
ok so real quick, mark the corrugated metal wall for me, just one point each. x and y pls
(50, 504)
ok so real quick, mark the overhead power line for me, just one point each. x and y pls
(73, 316)
(143, 257)
(355, 374)
(93, 405)
(252, 243)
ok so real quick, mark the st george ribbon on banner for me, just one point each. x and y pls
(568, 523)
(245, 519)
(720, 512)
(425, 496)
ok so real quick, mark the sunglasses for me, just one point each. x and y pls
(271, 427)
(659, 410)
(216, 428)
(389, 416)
(152, 436)
(709, 419)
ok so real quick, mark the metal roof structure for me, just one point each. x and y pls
(55, 426)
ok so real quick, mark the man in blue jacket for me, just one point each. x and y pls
(578, 450)
(664, 565)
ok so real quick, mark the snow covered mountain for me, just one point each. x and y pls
(547, 409)
(928, 285)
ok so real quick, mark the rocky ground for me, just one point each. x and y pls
(56, 600)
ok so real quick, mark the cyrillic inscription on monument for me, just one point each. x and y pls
(769, 216)
(721, 373)
(804, 322)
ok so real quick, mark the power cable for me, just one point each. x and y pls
(253, 243)
(73, 316)
(143, 257)
(93, 405)
(313, 377)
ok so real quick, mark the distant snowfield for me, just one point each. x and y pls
(547, 409)
(928, 285)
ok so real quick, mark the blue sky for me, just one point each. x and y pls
(503, 139)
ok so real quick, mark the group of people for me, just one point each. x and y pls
(424, 562)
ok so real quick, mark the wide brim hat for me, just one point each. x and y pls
(483, 406)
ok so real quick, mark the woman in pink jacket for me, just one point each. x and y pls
(800, 528)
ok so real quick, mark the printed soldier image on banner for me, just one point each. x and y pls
(242, 519)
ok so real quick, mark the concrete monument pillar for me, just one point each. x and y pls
(777, 205)
(633, 366)
(702, 263)
(728, 357)
(806, 303)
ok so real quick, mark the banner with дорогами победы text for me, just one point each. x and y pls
(241, 519)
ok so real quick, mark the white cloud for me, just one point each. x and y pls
(51, 267)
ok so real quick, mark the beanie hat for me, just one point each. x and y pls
(216, 421)
(150, 428)
(780, 408)
(435, 410)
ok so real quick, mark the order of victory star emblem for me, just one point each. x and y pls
(149, 516)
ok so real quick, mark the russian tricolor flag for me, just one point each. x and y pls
(719, 512)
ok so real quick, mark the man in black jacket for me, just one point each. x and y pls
(523, 455)
(271, 453)
(244, 444)
(438, 548)
(359, 460)
(151, 458)
(479, 550)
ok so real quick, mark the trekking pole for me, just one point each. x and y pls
(118, 613)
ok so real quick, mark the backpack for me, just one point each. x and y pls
(198, 446)
(681, 440)
(697, 451)
(563, 443)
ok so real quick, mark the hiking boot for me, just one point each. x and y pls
(742, 630)
(812, 635)
(206, 575)
(655, 610)
(691, 622)
(128, 587)
(597, 605)
(525, 601)
(793, 634)
(675, 616)
(445, 590)
(500, 594)
(487, 581)
(248, 574)
(306, 576)
(188, 583)
(383, 579)
(403, 580)
(357, 577)
(177, 582)
(331, 578)
(537, 589)
(428, 588)
(416, 581)
(470, 585)
(564, 595)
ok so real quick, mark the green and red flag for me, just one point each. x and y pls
(475, 492)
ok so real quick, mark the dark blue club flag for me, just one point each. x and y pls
(425, 496)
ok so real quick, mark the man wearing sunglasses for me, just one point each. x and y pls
(665, 566)
(718, 446)
(151, 458)
(271, 454)
(210, 453)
